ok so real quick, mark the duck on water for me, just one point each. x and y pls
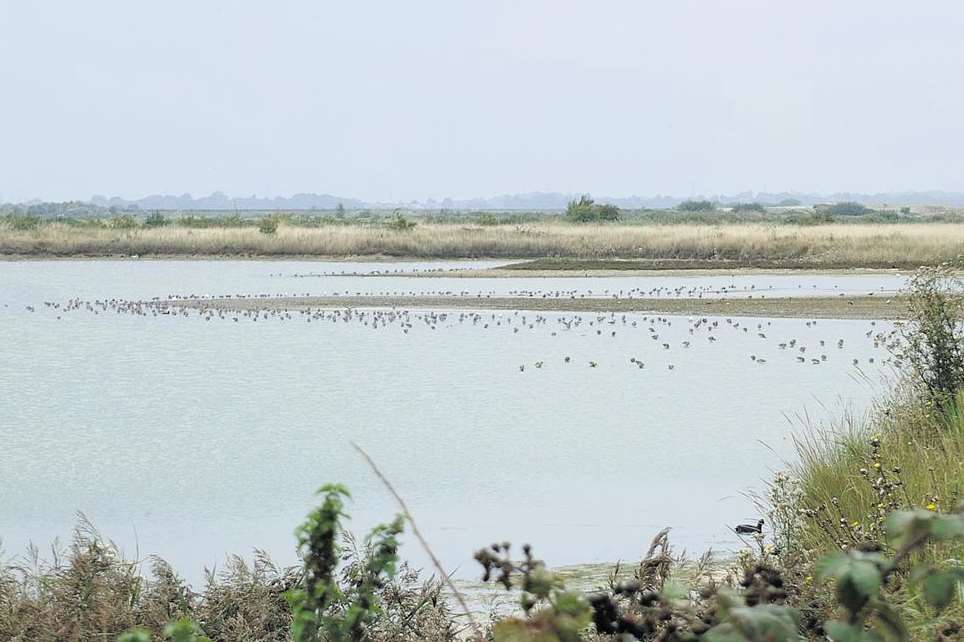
(749, 529)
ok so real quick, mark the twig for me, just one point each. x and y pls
(422, 541)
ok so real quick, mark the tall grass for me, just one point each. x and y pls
(908, 455)
(92, 592)
(911, 455)
(883, 245)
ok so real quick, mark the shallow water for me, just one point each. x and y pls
(192, 439)
(32, 280)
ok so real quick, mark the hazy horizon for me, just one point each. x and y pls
(433, 100)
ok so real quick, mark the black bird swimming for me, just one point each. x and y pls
(749, 529)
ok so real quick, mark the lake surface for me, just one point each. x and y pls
(192, 439)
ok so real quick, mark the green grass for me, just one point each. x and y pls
(909, 454)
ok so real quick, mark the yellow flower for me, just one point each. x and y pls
(932, 506)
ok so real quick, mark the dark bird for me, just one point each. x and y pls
(749, 529)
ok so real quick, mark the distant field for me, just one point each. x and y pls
(678, 246)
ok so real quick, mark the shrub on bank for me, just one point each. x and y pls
(399, 223)
(123, 222)
(268, 225)
(155, 219)
(586, 210)
(749, 207)
(696, 206)
(22, 222)
(848, 208)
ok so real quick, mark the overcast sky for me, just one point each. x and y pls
(404, 99)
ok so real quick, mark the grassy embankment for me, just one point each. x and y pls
(769, 245)
(908, 455)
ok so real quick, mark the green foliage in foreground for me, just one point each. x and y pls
(323, 609)
(313, 616)
(758, 612)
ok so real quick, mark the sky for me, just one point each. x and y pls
(393, 101)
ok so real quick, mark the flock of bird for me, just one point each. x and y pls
(657, 337)
(691, 291)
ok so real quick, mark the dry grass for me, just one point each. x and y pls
(91, 592)
(883, 245)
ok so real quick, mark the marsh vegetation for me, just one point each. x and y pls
(685, 244)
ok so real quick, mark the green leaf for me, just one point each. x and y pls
(516, 630)
(539, 582)
(891, 621)
(945, 527)
(909, 526)
(568, 628)
(726, 601)
(673, 591)
(843, 632)
(135, 635)
(725, 632)
(858, 578)
(940, 588)
(866, 577)
(572, 604)
(766, 622)
(184, 630)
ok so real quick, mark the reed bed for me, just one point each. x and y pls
(90, 591)
(881, 245)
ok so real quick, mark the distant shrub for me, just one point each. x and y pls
(268, 225)
(122, 222)
(193, 221)
(399, 223)
(848, 208)
(696, 206)
(586, 210)
(232, 220)
(748, 207)
(815, 218)
(933, 336)
(155, 219)
(488, 219)
(905, 210)
(882, 217)
(608, 212)
(22, 222)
